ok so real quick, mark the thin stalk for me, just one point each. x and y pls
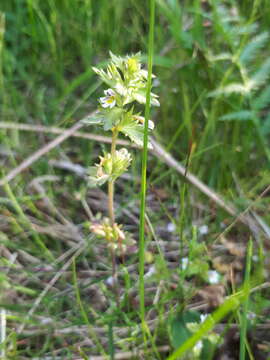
(243, 329)
(111, 215)
(144, 166)
(111, 183)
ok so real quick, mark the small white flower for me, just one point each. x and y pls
(184, 263)
(203, 230)
(251, 316)
(203, 317)
(171, 227)
(109, 100)
(198, 347)
(110, 281)
(213, 277)
(150, 272)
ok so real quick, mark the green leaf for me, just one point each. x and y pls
(238, 115)
(262, 100)
(112, 117)
(234, 88)
(96, 119)
(179, 331)
(253, 47)
(261, 76)
(208, 350)
(134, 131)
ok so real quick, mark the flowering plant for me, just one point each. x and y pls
(127, 83)
(116, 113)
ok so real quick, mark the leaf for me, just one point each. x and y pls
(179, 331)
(134, 131)
(263, 100)
(111, 117)
(261, 76)
(208, 350)
(230, 89)
(238, 115)
(96, 119)
(266, 126)
(252, 48)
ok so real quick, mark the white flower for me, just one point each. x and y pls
(184, 263)
(109, 100)
(213, 277)
(151, 124)
(150, 272)
(171, 227)
(198, 347)
(203, 317)
(203, 230)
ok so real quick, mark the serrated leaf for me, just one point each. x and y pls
(238, 116)
(251, 49)
(236, 88)
(134, 131)
(111, 117)
(262, 100)
(261, 76)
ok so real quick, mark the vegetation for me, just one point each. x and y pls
(200, 288)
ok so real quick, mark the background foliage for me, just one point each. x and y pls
(212, 65)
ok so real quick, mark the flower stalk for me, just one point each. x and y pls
(111, 182)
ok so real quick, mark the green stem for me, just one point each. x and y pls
(144, 167)
(111, 183)
(111, 214)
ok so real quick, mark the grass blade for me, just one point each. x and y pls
(144, 163)
(243, 328)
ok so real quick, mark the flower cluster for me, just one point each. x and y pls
(109, 168)
(118, 241)
(127, 83)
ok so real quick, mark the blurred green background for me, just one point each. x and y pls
(212, 67)
(48, 48)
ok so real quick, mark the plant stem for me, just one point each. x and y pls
(111, 214)
(111, 183)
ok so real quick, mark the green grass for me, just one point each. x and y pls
(201, 49)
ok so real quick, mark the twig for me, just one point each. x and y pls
(38, 154)
(157, 150)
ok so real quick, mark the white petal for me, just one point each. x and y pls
(111, 105)
(171, 226)
(105, 104)
(109, 92)
(184, 263)
(213, 277)
(151, 125)
(203, 230)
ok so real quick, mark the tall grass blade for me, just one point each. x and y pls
(229, 305)
(243, 328)
(144, 162)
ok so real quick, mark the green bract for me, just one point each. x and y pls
(109, 168)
